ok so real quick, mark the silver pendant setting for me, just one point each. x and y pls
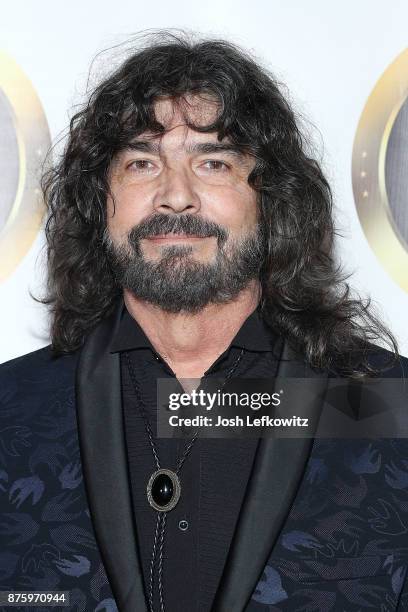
(163, 490)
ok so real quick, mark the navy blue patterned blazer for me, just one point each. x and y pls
(323, 526)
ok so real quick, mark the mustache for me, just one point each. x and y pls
(177, 224)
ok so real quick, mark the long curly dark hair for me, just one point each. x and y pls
(305, 296)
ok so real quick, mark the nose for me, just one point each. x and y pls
(176, 192)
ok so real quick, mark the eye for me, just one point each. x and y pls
(216, 165)
(141, 165)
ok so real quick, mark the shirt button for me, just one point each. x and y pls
(183, 525)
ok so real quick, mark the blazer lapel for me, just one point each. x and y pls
(103, 454)
(275, 478)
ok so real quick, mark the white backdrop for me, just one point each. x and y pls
(330, 55)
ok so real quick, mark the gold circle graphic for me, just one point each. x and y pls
(368, 169)
(33, 141)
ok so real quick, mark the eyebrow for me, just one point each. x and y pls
(152, 146)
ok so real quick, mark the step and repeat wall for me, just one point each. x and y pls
(344, 67)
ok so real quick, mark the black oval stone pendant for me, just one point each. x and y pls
(163, 490)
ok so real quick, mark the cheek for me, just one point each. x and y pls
(125, 211)
(110, 214)
(115, 221)
(236, 208)
(248, 199)
(110, 209)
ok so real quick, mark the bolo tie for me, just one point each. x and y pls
(163, 487)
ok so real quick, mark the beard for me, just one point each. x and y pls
(176, 281)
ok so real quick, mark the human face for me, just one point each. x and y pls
(181, 203)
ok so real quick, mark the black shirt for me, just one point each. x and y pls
(213, 478)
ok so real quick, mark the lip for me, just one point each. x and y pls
(174, 237)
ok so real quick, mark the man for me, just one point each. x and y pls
(191, 236)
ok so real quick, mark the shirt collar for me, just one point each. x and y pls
(253, 335)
